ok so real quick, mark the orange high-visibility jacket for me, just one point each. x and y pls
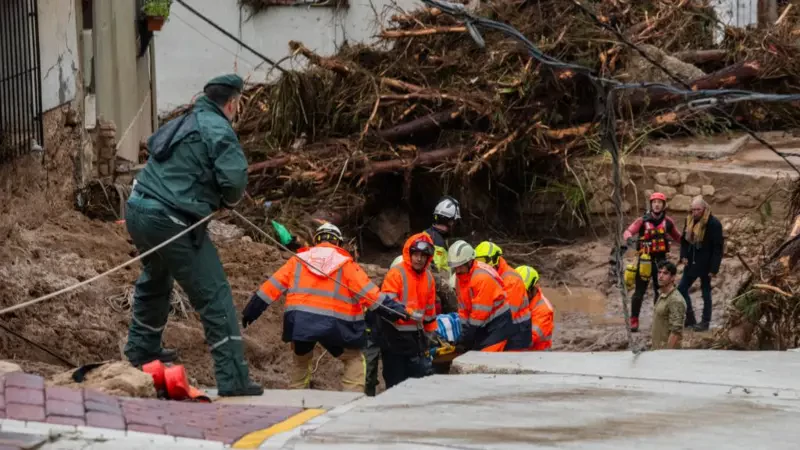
(517, 296)
(319, 309)
(416, 291)
(482, 307)
(541, 322)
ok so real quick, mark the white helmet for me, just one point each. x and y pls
(398, 260)
(326, 232)
(460, 253)
(448, 208)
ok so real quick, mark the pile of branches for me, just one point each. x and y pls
(766, 312)
(495, 118)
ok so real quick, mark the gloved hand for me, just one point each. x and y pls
(391, 310)
(255, 307)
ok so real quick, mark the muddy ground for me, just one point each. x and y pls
(45, 246)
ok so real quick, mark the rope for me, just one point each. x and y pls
(106, 273)
(307, 264)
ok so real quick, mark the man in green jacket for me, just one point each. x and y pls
(196, 167)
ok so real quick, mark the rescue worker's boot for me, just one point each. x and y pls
(300, 373)
(166, 355)
(634, 324)
(355, 368)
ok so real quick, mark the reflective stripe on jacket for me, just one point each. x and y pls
(482, 307)
(541, 322)
(517, 296)
(326, 303)
(416, 291)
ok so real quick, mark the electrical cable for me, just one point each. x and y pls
(229, 35)
(678, 80)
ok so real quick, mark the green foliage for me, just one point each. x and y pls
(157, 8)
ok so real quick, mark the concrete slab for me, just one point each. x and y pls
(771, 370)
(705, 148)
(299, 398)
(560, 411)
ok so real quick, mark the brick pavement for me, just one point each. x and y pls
(25, 397)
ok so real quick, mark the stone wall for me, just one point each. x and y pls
(728, 192)
(105, 145)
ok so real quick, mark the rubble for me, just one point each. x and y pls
(114, 378)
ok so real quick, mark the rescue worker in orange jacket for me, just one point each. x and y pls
(541, 310)
(325, 293)
(516, 294)
(482, 306)
(404, 342)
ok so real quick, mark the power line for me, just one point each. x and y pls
(231, 52)
(229, 35)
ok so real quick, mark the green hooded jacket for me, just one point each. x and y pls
(205, 168)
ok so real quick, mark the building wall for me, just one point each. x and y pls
(122, 79)
(190, 52)
(58, 43)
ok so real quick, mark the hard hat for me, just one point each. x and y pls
(448, 208)
(529, 275)
(422, 246)
(460, 253)
(327, 232)
(398, 260)
(488, 252)
(658, 196)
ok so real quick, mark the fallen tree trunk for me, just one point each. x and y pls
(398, 165)
(421, 125)
(701, 56)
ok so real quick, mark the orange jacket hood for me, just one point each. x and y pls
(407, 250)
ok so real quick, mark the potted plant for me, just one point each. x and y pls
(156, 12)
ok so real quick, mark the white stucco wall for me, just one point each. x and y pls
(189, 51)
(58, 44)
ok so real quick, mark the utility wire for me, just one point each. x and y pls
(229, 35)
(678, 80)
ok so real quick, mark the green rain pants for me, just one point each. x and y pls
(195, 264)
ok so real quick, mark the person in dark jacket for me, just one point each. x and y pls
(701, 252)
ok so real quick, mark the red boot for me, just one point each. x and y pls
(634, 324)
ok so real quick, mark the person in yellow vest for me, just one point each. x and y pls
(541, 310)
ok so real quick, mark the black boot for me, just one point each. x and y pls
(702, 326)
(165, 355)
(252, 389)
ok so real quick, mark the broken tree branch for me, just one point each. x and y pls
(397, 34)
(701, 56)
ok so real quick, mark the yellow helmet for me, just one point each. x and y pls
(488, 252)
(529, 275)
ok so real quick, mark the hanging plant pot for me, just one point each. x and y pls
(154, 23)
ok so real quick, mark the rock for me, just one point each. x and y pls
(116, 378)
(674, 178)
(666, 190)
(722, 195)
(707, 190)
(684, 177)
(626, 206)
(221, 232)
(375, 272)
(598, 205)
(9, 367)
(691, 190)
(661, 178)
(648, 193)
(739, 336)
(743, 201)
(391, 226)
(680, 203)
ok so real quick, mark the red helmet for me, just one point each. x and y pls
(658, 196)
